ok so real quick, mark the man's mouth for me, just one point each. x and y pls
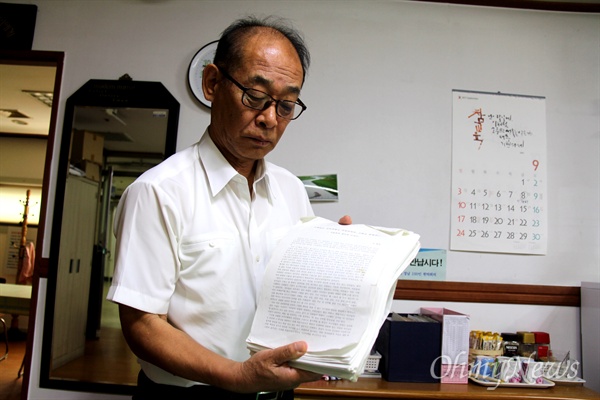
(259, 141)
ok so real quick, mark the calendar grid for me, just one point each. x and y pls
(498, 174)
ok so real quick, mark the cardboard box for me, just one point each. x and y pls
(92, 170)
(87, 146)
(455, 344)
(409, 348)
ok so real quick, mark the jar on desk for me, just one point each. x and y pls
(510, 344)
(527, 343)
(542, 345)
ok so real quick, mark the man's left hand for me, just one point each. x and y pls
(345, 220)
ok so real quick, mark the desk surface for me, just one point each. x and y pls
(15, 299)
(13, 290)
(380, 389)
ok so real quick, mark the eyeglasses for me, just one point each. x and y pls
(259, 100)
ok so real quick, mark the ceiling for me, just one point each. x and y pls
(124, 130)
(134, 139)
(592, 6)
(137, 130)
(14, 80)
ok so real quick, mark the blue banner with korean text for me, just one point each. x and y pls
(428, 265)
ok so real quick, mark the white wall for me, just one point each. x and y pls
(379, 98)
(379, 103)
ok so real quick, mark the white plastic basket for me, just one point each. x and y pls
(373, 362)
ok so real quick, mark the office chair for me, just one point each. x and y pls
(5, 337)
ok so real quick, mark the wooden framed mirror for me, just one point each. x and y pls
(113, 131)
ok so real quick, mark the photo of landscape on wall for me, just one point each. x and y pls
(321, 187)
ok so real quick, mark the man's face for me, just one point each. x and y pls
(245, 135)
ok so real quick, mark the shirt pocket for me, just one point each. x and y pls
(205, 250)
(210, 270)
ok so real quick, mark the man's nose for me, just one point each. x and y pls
(268, 117)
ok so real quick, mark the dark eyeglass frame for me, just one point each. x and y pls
(268, 103)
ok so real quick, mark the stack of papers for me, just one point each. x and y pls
(331, 286)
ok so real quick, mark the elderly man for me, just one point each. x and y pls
(195, 233)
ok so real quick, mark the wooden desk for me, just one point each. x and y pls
(15, 299)
(380, 389)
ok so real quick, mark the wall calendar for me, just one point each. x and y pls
(498, 173)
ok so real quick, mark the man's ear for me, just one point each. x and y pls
(210, 78)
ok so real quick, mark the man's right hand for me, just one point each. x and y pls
(268, 370)
(153, 339)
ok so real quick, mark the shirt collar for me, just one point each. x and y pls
(220, 172)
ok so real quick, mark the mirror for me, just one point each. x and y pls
(113, 131)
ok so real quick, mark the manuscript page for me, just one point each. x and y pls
(332, 286)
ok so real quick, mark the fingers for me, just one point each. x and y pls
(308, 376)
(345, 220)
(268, 370)
(300, 348)
(292, 351)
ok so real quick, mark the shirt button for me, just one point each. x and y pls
(257, 258)
(211, 244)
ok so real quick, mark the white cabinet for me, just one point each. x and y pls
(74, 270)
(590, 325)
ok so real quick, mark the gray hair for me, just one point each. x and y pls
(229, 49)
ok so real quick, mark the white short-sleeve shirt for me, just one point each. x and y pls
(192, 244)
